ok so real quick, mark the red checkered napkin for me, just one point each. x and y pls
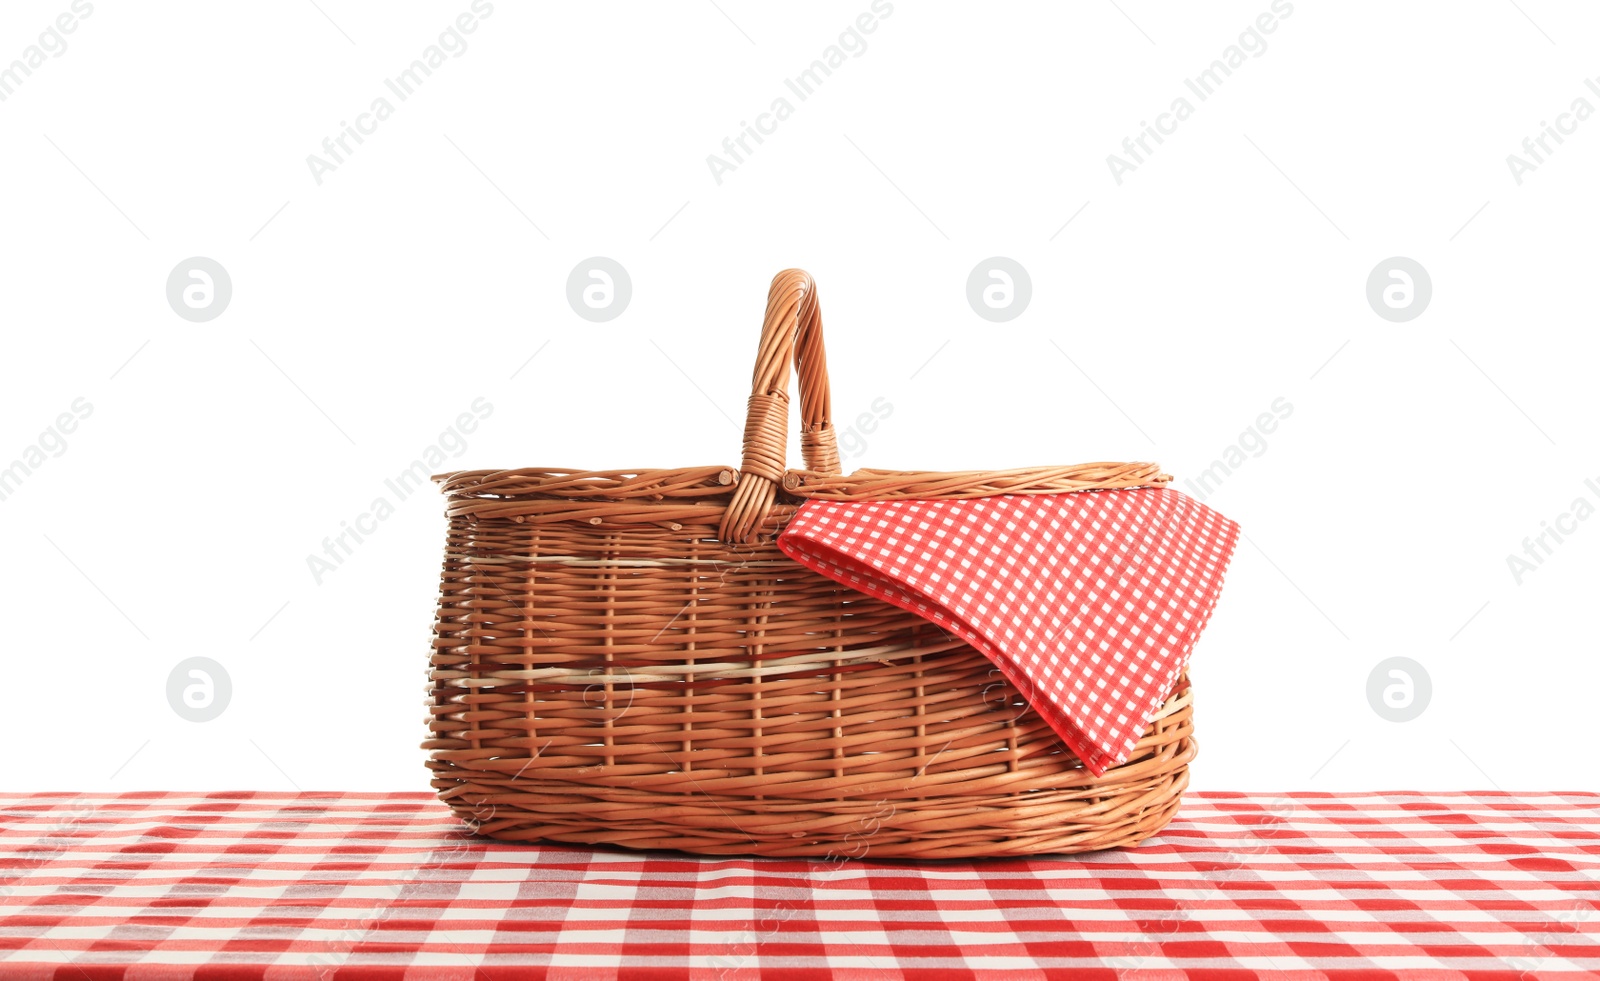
(1089, 602)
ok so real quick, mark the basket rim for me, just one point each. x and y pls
(655, 484)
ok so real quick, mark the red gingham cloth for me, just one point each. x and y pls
(1088, 602)
(172, 887)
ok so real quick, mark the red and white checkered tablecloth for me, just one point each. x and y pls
(370, 886)
(1089, 602)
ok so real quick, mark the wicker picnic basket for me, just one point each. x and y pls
(626, 658)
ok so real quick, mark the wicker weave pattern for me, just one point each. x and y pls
(627, 658)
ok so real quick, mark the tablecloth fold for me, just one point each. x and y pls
(1089, 602)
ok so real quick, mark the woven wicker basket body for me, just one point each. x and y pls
(627, 658)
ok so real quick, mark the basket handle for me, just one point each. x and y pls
(792, 332)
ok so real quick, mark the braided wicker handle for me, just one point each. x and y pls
(792, 333)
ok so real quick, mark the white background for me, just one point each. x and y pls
(1227, 271)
